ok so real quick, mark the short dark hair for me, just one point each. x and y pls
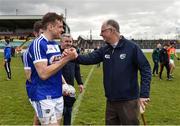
(7, 39)
(50, 17)
(166, 44)
(37, 26)
(113, 23)
(172, 42)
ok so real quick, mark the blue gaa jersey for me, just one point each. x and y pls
(27, 66)
(42, 50)
(7, 52)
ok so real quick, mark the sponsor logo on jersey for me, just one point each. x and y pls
(52, 49)
(54, 59)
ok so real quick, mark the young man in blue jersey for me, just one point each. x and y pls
(70, 72)
(46, 94)
(7, 57)
(121, 61)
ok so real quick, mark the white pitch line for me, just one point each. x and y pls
(80, 97)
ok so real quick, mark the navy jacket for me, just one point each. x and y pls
(120, 70)
(164, 56)
(71, 71)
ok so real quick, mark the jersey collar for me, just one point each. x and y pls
(44, 37)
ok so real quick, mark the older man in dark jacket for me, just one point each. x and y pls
(121, 61)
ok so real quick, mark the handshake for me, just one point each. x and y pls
(70, 54)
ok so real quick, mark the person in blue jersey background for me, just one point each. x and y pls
(37, 30)
(7, 57)
(46, 94)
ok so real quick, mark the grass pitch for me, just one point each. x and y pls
(15, 109)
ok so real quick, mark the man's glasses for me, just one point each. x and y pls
(105, 30)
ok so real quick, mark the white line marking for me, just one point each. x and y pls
(80, 97)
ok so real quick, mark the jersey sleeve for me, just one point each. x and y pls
(38, 50)
(26, 61)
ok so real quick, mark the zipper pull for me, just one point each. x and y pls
(112, 51)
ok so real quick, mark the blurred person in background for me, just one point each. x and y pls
(37, 30)
(164, 61)
(172, 54)
(155, 57)
(7, 57)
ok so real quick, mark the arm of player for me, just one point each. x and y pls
(177, 56)
(28, 74)
(45, 71)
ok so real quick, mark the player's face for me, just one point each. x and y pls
(67, 42)
(57, 29)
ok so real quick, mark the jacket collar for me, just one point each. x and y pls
(120, 43)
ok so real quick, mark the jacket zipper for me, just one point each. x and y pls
(111, 82)
(112, 51)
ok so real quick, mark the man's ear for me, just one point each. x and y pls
(50, 26)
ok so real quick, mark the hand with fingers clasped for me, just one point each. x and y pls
(70, 54)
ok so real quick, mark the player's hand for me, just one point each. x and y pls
(70, 54)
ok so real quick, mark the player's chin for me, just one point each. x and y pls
(57, 36)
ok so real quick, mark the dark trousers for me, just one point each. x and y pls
(8, 69)
(166, 64)
(67, 115)
(122, 112)
(155, 68)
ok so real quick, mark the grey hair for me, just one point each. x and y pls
(114, 24)
(66, 35)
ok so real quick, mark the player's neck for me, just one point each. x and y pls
(48, 36)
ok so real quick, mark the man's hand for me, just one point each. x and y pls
(143, 102)
(70, 54)
(81, 88)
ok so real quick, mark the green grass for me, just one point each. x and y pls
(15, 109)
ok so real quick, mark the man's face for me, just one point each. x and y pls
(106, 32)
(66, 42)
(165, 46)
(173, 45)
(57, 29)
